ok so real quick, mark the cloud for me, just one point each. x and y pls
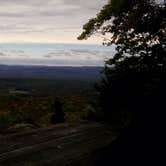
(2, 54)
(54, 54)
(79, 54)
(20, 18)
(13, 53)
(23, 55)
(21, 51)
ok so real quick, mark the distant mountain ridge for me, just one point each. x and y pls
(47, 72)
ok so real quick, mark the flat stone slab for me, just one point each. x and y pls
(61, 145)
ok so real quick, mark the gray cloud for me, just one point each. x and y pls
(54, 54)
(42, 8)
(2, 54)
(79, 54)
(13, 53)
(23, 55)
(46, 16)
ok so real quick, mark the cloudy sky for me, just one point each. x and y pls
(54, 54)
(52, 21)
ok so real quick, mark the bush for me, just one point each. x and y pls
(45, 119)
(88, 113)
(58, 112)
(5, 120)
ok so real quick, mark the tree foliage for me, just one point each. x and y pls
(135, 79)
(136, 73)
(137, 27)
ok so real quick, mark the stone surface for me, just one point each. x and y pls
(61, 145)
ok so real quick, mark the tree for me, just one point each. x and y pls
(138, 30)
(58, 112)
(135, 78)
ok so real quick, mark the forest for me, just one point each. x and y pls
(29, 103)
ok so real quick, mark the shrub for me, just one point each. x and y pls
(5, 120)
(88, 112)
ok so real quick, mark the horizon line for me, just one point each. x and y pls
(60, 43)
(39, 65)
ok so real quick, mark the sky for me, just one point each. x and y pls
(46, 21)
(54, 54)
(44, 32)
(23, 22)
